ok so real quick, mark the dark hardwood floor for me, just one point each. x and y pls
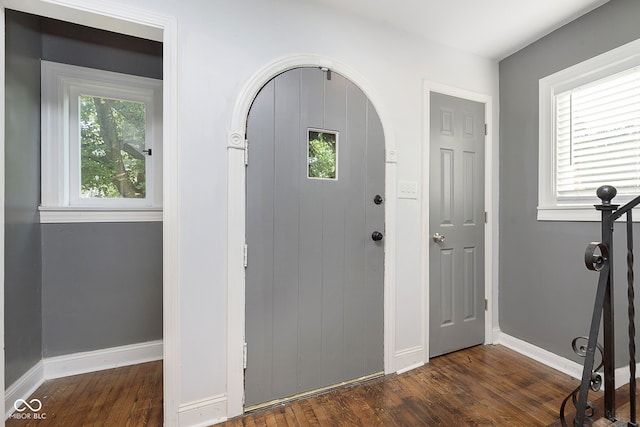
(127, 396)
(480, 386)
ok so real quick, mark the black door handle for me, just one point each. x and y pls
(376, 236)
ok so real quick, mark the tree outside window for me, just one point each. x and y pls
(112, 144)
(322, 156)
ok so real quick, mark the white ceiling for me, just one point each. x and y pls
(489, 28)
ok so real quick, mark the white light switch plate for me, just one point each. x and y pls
(407, 190)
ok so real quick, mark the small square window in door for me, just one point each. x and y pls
(322, 154)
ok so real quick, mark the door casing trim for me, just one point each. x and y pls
(490, 178)
(236, 207)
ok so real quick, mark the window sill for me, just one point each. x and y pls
(583, 213)
(56, 215)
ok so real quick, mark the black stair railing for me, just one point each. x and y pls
(599, 258)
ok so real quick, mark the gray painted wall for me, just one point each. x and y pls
(78, 45)
(70, 287)
(546, 294)
(102, 285)
(23, 266)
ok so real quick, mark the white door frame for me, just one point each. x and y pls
(490, 179)
(136, 22)
(236, 216)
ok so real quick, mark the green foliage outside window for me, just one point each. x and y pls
(322, 155)
(112, 143)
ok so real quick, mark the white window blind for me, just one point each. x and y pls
(597, 136)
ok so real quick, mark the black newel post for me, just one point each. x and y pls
(606, 193)
(599, 258)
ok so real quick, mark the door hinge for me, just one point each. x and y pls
(244, 356)
(486, 130)
(245, 256)
(246, 152)
(486, 217)
(486, 307)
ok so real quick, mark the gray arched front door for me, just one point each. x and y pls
(314, 277)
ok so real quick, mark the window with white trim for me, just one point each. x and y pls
(589, 134)
(101, 145)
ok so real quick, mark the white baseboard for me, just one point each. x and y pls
(623, 375)
(80, 363)
(98, 360)
(203, 412)
(23, 387)
(408, 359)
(541, 355)
(409, 368)
(495, 335)
(559, 363)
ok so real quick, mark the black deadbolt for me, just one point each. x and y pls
(376, 236)
(378, 199)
